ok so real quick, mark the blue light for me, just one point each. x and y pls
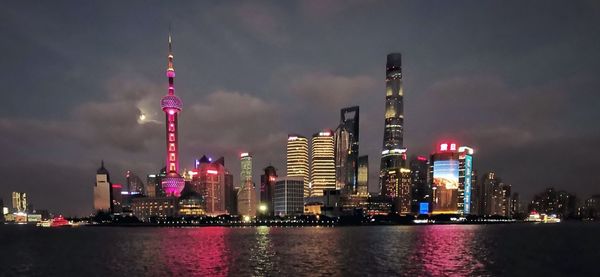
(468, 172)
(423, 208)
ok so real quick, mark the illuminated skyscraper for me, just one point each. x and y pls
(247, 199)
(173, 183)
(297, 160)
(267, 185)
(102, 190)
(135, 186)
(246, 169)
(346, 150)
(19, 201)
(322, 167)
(393, 155)
(363, 175)
(208, 179)
(451, 179)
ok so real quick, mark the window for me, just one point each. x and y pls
(171, 137)
(172, 157)
(171, 146)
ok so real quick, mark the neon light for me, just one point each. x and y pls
(453, 147)
(324, 134)
(421, 158)
(244, 155)
(213, 172)
(423, 208)
(292, 138)
(466, 149)
(116, 186)
(444, 147)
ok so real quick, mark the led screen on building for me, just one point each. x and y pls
(468, 172)
(445, 174)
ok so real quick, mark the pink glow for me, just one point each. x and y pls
(444, 147)
(213, 172)
(453, 147)
(421, 158)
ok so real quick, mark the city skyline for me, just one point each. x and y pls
(109, 107)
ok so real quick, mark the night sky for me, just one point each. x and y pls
(516, 81)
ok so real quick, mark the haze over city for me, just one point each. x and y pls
(82, 82)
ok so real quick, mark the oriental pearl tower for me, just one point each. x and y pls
(173, 183)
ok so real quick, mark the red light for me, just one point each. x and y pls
(421, 158)
(272, 179)
(453, 147)
(213, 172)
(116, 186)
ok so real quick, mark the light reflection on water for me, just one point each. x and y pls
(437, 250)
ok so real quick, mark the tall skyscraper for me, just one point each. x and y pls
(297, 160)
(488, 182)
(19, 201)
(465, 178)
(171, 105)
(363, 175)
(267, 185)
(288, 196)
(322, 167)
(393, 154)
(209, 181)
(247, 199)
(346, 150)
(451, 179)
(230, 194)
(103, 197)
(246, 168)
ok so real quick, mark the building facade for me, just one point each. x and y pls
(393, 149)
(420, 190)
(346, 150)
(247, 200)
(297, 160)
(246, 168)
(363, 176)
(451, 179)
(267, 187)
(209, 181)
(322, 167)
(102, 190)
(288, 197)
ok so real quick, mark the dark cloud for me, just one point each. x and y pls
(517, 81)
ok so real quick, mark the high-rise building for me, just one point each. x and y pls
(135, 186)
(346, 150)
(465, 178)
(451, 179)
(489, 182)
(288, 198)
(393, 149)
(267, 185)
(476, 197)
(500, 199)
(247, 199)
(421, 192)
(19, 201)
(515, 205)
(116, 204)
(297, 160)
(551, 201)
(322, 167)
(246, 168)
(363, 175)
(103, 190)
(171, 105)
(230, 194)
(209, 181)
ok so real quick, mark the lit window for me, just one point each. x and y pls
(172, 157)
(171, 127)
(171, 146)
(171, 137)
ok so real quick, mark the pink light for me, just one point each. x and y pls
(421, 158)
(116, 186)
(213, 172)
(453, 146)
(171, 112)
